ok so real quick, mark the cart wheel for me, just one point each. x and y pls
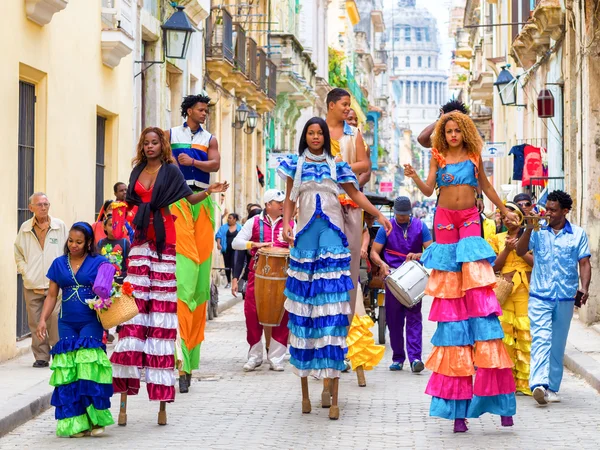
(381, 325)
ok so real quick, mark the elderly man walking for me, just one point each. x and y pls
(40, 240)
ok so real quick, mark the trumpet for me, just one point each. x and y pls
(526, 222)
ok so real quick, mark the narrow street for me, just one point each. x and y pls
(229, 409)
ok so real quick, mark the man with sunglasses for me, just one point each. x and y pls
(40, 241)
(524, 202)
(263, 230)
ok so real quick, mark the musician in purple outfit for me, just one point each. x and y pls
(406, 242)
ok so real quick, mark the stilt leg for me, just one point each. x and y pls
(162, 414)
(123, 410)
(360, 375)
(326, 394)
(305, 398)
(334, 411)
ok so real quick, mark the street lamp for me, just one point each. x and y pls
(507, 87)
(177, 33)
(245, 115)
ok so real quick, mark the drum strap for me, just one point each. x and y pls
(261, 225)
(392, 252)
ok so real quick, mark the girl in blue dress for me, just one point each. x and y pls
(82, 373)
(319, 281)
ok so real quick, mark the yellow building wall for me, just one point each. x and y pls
(64, 60)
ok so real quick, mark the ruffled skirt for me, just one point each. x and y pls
(317, 299)
(82, 380)
(469, 334)
(362, 350)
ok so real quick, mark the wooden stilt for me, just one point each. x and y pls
(123, 410)
(360, 375)
(326, 394)
(306, 407)
(334, 411)
(162, 414)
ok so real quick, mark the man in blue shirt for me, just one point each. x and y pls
(406, 242)
(559, 249)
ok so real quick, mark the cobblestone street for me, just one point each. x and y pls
(229, 409)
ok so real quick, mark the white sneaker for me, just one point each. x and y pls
(552, 397)
(540, 395)
(276, 367)
(252, 365)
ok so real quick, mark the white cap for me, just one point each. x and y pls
(274, 194)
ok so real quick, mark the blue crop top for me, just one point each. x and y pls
(457, 174)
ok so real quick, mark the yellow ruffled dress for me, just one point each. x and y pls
(515, 318)
(362, 350)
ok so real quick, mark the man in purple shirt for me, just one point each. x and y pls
(405, 243)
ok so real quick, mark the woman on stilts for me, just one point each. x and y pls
(317, 289)
(148, 340)
(469, 334)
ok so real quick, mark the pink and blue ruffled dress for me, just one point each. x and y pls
(317, 289)
(468, 339)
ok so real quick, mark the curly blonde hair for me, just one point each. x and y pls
(166, 154)
(471, 138)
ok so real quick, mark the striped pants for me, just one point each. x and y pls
(148, 340)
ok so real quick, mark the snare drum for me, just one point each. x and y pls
(269, 283)
(407, 283)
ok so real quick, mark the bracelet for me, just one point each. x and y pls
(193, 162)
(479, 196)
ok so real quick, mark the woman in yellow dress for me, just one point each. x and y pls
(514, 319)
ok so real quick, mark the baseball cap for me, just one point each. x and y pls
(522, 197)
(402, 206)
(274, 194)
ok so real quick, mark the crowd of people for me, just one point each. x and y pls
(157, 236)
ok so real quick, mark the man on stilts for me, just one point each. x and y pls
(197, 153)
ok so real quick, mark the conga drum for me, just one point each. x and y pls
(270, 276)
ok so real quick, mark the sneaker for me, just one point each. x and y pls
(251, 365)
(40, 363)
(184, 384)
(275, 367)
(97, 431)
(417, 366)
(540, 395)
(552, 397)
(347, 366)
(228, 285)
(396, 366)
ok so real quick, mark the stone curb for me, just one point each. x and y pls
(37, 400)
(583, 365)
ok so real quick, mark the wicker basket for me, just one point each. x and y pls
(503, 289)
(123, 309)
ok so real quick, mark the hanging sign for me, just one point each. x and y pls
(494, 150)
(386, 186)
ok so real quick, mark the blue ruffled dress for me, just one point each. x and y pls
(317, 289)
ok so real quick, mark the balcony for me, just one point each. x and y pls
(296, 72)
(378, 21)
(117, 31)
(382, 102)
(482, 88)
(356, 91)
(197, 10)
(234, 60)
(547, 22)
(463, 46)
(41, 11)
(380, 62)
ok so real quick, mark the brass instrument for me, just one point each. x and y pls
(525, 222)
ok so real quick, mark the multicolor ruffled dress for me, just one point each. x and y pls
(469, 334)
(81, 371)
(317, 289)
(515, 316)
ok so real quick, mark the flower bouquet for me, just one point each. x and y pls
(117, 308)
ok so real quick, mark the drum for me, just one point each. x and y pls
(269, 283)
(407, 283)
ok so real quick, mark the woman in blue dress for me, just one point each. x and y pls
(82, 373)
(319, 281)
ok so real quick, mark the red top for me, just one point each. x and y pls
(146, 196)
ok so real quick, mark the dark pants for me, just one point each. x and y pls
(396, 315)
(228, 258)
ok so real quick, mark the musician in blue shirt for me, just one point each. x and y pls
(559, 250)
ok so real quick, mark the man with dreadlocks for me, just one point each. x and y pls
(197, 153)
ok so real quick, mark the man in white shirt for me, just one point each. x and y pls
(262, 231)
(40, 240)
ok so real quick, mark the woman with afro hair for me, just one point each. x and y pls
(462, 279)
